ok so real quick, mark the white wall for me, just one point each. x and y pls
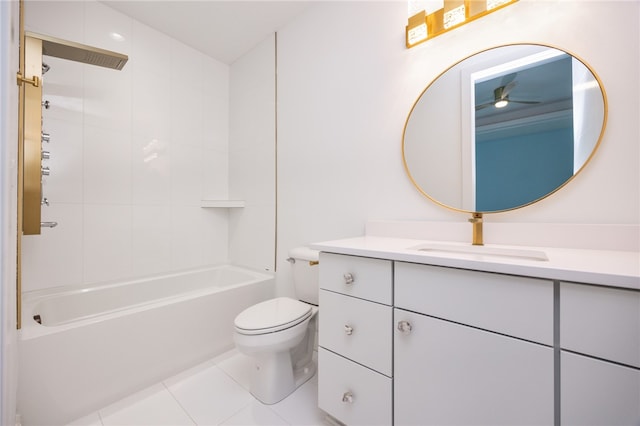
(133, 152)
(252, 159)
(346, 83)
(9, 64)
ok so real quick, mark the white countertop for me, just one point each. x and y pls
(602, 267)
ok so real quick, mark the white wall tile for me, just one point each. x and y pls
(65, 183)
(215, 106)
(101, 22)
(252, 157)
(151, 107)
(128, 151)
(107, 242)
(252, 235)
(186, 66)
(62, 19)
(107, 97)
(151, 170)
(63, 87)
(215, 245)
(253, 173)
(107, 166)
(216, 175)
(186, 174)
(151, 51)
(186, 115)
(54, 258)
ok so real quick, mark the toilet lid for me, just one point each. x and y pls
(272, 315)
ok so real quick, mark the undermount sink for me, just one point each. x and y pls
(461, 248)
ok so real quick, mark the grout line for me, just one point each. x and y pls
(237, 412)
(181, 406)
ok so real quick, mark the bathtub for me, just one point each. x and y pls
(83, 348)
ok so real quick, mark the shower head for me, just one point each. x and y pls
(77, 52)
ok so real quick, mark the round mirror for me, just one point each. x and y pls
(504, 128)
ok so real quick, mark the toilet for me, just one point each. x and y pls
(279, 334)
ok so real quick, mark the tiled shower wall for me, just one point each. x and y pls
(133, 153)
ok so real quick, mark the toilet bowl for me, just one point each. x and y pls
(279, 336)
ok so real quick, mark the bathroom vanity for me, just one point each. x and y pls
(415, 332)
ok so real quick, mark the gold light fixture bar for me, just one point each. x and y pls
(77, 52)
(454, 14)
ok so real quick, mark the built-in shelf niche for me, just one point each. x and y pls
(221, 203)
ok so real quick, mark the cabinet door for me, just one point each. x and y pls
(450, 374)
(596, 392)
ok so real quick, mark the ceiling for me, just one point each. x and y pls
(224, 30)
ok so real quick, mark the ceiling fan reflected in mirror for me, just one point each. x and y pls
(501, 94)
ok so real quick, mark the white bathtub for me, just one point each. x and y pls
(98, 344)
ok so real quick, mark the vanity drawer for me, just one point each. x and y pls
(361, 277)
(353, 394)
(515, 306)
(602, 322)
(357, 329)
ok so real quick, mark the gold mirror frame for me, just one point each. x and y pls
(477, 215)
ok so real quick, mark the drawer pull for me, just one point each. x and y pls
(404, 327)
(348, 330)
(348, 278)
(347, 398)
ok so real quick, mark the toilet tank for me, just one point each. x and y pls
(305, 273)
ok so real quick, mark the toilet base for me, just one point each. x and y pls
(273, 377)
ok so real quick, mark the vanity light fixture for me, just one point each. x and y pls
(417, 29)
(451, 14)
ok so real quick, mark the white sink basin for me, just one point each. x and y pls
(461, 248)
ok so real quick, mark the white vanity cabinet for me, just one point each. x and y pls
(600, 361)
(472, 348)
(355, 339)
(410, 338)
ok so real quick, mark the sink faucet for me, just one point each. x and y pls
(476, 221)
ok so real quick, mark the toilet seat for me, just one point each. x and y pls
(271, 316)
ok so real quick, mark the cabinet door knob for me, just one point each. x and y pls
(348, 278)
(348, 330)
(404, 327)
(347, 397)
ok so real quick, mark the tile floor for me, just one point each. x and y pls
(213, 393)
